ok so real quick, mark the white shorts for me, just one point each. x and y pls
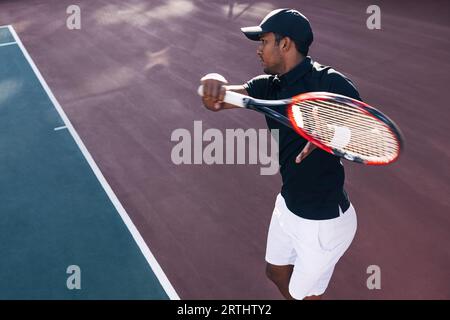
(312, 246)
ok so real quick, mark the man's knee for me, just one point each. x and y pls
(279, 273)
(269, 272)
(272, 274)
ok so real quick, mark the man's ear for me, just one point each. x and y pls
(286, 43)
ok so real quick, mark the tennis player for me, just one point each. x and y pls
(313, 222)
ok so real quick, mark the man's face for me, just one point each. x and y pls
(270, 54)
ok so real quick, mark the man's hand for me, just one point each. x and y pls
(213, 91)
(309, 147)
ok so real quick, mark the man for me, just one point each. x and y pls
(313, 222)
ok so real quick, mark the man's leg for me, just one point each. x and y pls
(281, 275)
(280, 253)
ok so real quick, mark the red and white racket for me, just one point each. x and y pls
(340, 125)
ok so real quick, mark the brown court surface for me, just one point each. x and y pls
(128, 78)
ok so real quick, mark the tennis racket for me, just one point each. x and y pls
(340, 125)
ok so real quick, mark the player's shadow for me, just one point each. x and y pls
(234, 8)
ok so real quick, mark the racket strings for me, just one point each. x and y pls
(357, 144)
(365, 130)
(360, 134)
(362, 119)
(360, 131)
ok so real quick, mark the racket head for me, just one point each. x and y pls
(359, 132)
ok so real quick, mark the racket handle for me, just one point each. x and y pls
(231, 97)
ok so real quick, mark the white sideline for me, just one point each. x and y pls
(165, 283)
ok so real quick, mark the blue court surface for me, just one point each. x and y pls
(56, 208)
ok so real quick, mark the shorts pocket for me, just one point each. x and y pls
(336, 232)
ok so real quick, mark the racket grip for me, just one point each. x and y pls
(231, 97)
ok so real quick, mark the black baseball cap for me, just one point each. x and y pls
(286, 22)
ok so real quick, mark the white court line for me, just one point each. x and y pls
(6, 26)
(60, 128)
(7, 44)
(165, 283)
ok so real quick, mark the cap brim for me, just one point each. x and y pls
(253, 33)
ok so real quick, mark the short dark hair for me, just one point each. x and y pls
(278, 38)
